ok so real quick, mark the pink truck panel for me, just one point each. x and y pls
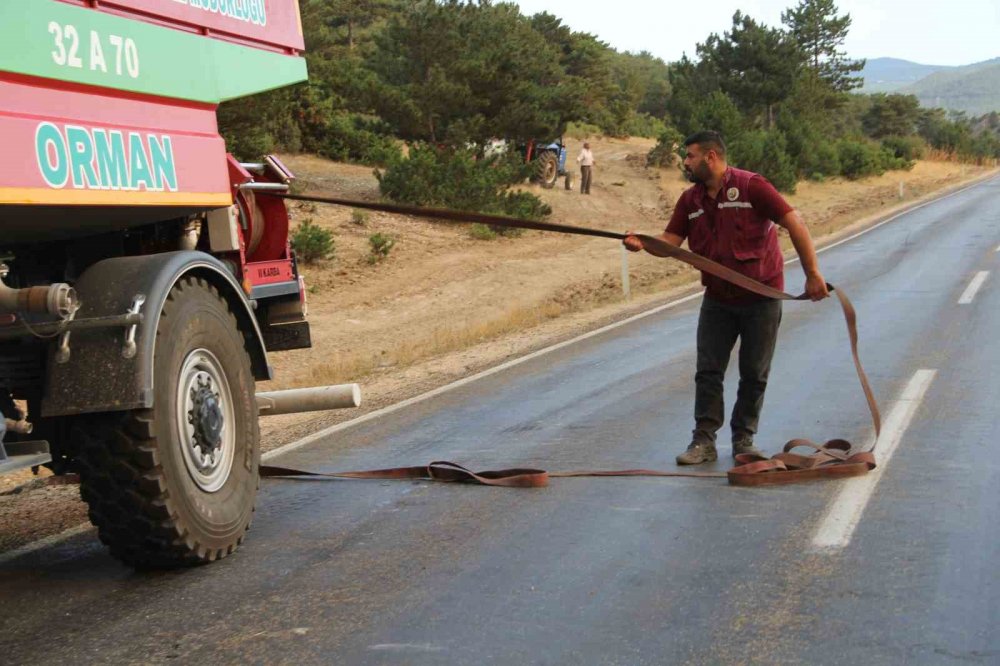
(272, 24)
(67, 145)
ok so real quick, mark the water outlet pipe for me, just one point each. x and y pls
(316, 399)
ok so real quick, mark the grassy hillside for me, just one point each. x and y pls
(891, 74)
(974, 89)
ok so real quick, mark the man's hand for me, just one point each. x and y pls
(816, 286)
(631, 243)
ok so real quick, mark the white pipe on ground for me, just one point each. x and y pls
(316, 399)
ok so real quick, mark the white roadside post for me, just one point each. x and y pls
(626, 289)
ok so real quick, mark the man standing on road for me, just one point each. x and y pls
(586, 160)
(728, 216)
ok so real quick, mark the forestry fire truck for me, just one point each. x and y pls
(145, 272)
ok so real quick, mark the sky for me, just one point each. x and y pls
(931, 32)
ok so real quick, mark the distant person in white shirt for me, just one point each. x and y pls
(586, 160)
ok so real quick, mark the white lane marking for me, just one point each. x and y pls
(291, 446)
(970, 291)
(44, 542)
(837, 527)
(998, 249)
(406, 647)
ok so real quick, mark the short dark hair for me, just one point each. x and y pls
(708, 140)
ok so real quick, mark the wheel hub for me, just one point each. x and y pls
(206, 416)
(205, 420)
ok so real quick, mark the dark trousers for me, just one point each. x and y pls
(585, 172)
(719, 325)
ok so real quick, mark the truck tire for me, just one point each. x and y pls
(548, 169)
(175, 484)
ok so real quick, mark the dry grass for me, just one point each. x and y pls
(355, 366)
(352, 366)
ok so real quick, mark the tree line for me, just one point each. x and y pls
(455, 74)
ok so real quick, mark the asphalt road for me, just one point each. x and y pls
(608, 571)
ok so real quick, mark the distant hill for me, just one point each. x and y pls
(891, 74)
(973, 88)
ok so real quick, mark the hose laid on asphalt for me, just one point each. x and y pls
(835, 458)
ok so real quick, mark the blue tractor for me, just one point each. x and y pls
(550, 161)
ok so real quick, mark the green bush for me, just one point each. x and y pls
(862, 158)
(643, 124)
(353, 138)
(524, 205)
(905, 147)
(456, 179)
(380, 244)
(482, 232)
(891, 162)
(984, 146)
(311, 242)
(765, 153)
(902, 152)
(820, 161)
(664, 153)
(581, 131)
(859, 159)
(718, 112)
(814, 155)
(249, 145)
(359, 217)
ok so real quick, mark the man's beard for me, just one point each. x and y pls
(699, 174)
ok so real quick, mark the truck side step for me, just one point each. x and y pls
(19, 455)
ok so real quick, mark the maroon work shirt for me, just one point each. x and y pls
(736, 230)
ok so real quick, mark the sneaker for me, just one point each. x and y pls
(698, 453)
(744, 444)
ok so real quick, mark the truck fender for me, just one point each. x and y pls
(101, 375)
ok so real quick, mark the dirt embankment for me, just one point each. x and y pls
(444, 305)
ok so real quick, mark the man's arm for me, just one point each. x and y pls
(634, 244)
(675, 232)
(802, 240)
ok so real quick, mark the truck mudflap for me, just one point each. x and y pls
(112, 369)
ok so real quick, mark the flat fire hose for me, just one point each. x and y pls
(834, 459)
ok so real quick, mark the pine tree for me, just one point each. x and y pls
(820, 33)
(351, 17)
(754, 64)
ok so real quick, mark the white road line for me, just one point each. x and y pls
(998, 249)
(837, 527)
(970, 291)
